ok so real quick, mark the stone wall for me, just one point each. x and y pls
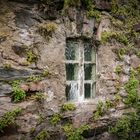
(19, 24)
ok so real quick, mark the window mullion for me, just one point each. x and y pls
(80, 74)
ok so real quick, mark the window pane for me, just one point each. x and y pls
(94, 72)
(87, 88)
(70, 52)
(67, 91)
(87, 52)
(71, 71)
(88, 71)
(71, 91)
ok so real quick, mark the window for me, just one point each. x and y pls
(80, 70)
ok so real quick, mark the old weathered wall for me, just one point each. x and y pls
(19, 34)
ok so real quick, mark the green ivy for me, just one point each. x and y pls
(122, 128)
(128, 127)
(131, 88)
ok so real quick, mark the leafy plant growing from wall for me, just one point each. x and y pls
(87, 4)
(74, 133)
(47, 30)
(42, 135)
(131, 88)
(18, 94)
(99, 112)
(8, 119)
(118, 36)
(128, 127)
(31, 57)
(39, 97)
(34, 78)
(68, 107)
(55, 118)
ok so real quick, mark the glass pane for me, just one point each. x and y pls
(87, 88)
(67, 91)
(88, 71)
(71, 71)
(87, 52)
(94, 72)
(71, 91)
(70, 52)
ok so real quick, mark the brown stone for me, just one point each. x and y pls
(137, 27)
(24, 87)
(138, 42)
(40, 86)
(33, 86)
(103, 5)
(135, 61)
(71, 13)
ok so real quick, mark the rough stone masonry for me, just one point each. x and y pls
(19, 35)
